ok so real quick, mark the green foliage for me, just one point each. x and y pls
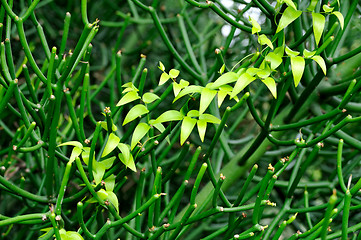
(249, 134)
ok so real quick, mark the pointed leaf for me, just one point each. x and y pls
(262, 39)
(312, 5)
(188, 90)
(98, 172)
(226, 78)
(221, 70)
(321, 63)
(129, 163)
(125, 150)
(188, 124)
(110, 182)
(105, 126)
(291, 4)
(136, 111)
(318, 21)
(290, 52)
(265, 72)
(308, 54)
(207, 96)
(209, 118)
(70, 235)
(274, 59)
(202, 126)
(288, 16)
(222, 93)
(113, 200)
(298, 66)
(340, 18)
(75, 153)
(149, 97)
(170, 115)
(85, 155)
(163, 78)
(107, 163)
(193, 113)
(271, 84)
(139, 133)
(102, 194)
(129, 87)
(112, 143)
(255, 26)
(72, 143)
(252, 71)
(327, 8)
(243, 81)
(161, 66)
(173, 73)
(128, 97)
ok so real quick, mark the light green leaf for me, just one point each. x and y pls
(193, 113)
(105, 126)
(255, 26)
(340, 18)
(321, 63)
(221, 71)
(98, 172)
(170, 115)
(129, 87)
(173, 73)
(163, 78)
(70, 235)
(138, 134)
(327, 8)
(318, 21)
(112, 143)
(129, 163)
(312, 5)
(274, 59)
(72, 143)
(85, 155)
(107, 163)
(243, 81)
(113, 200)
(271, 85)
(207, 96)
(149, 97)
(252, 71)
(188, 124)
(262, 39)
(288, 16)
(110, 182)
(290, 52)
(202, 126)
(209, 118)
(177, 87)
(102, 194)
(125, 150)
(161, 66)
(291, 4)
(226, 78)
(222, 93)
(298, 66)
(136, 111)
(158, 126)
(127, 98)
(265, 72)
(75, 153)
(188, 90)
(307, 54)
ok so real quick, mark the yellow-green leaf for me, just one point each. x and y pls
(340, 18)
(139, 133)
(188, 124)
(136, 111)
(321, 63)
(170, 115)
(271, 85)
(188, 90)
(288, 16)
(327, 8)
(113, 200)
(161, 66)
(110, 182)
(202, 126)
(298, 66)
(173, 73)
(243, 81)
(222, 93)
(128, 97)
(255, 26)
(312, 5)
(262, 39)
(226, 78)
(274, 59)
(207, 96)
(75, 153)
(291, 4)
(308, 54)
(290, 52)
(318, 21)
(112, 143)
(72, 143)
(209, 118)
(129, 163)
(149, 97)
(163, 78)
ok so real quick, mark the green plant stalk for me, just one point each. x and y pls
(84, 92)
(9, 58)
(4, 101)
(345, 214)
(339, 166)
(138, 198)
(65, 34)
(26, 136)
(4, 66)
(187, 214)
(51, 71)
(328, 215)
(22, 219)
(80, 217)
(307, 205)
(153, 214)
(63, 188)
(176, 164)
(73, 116)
